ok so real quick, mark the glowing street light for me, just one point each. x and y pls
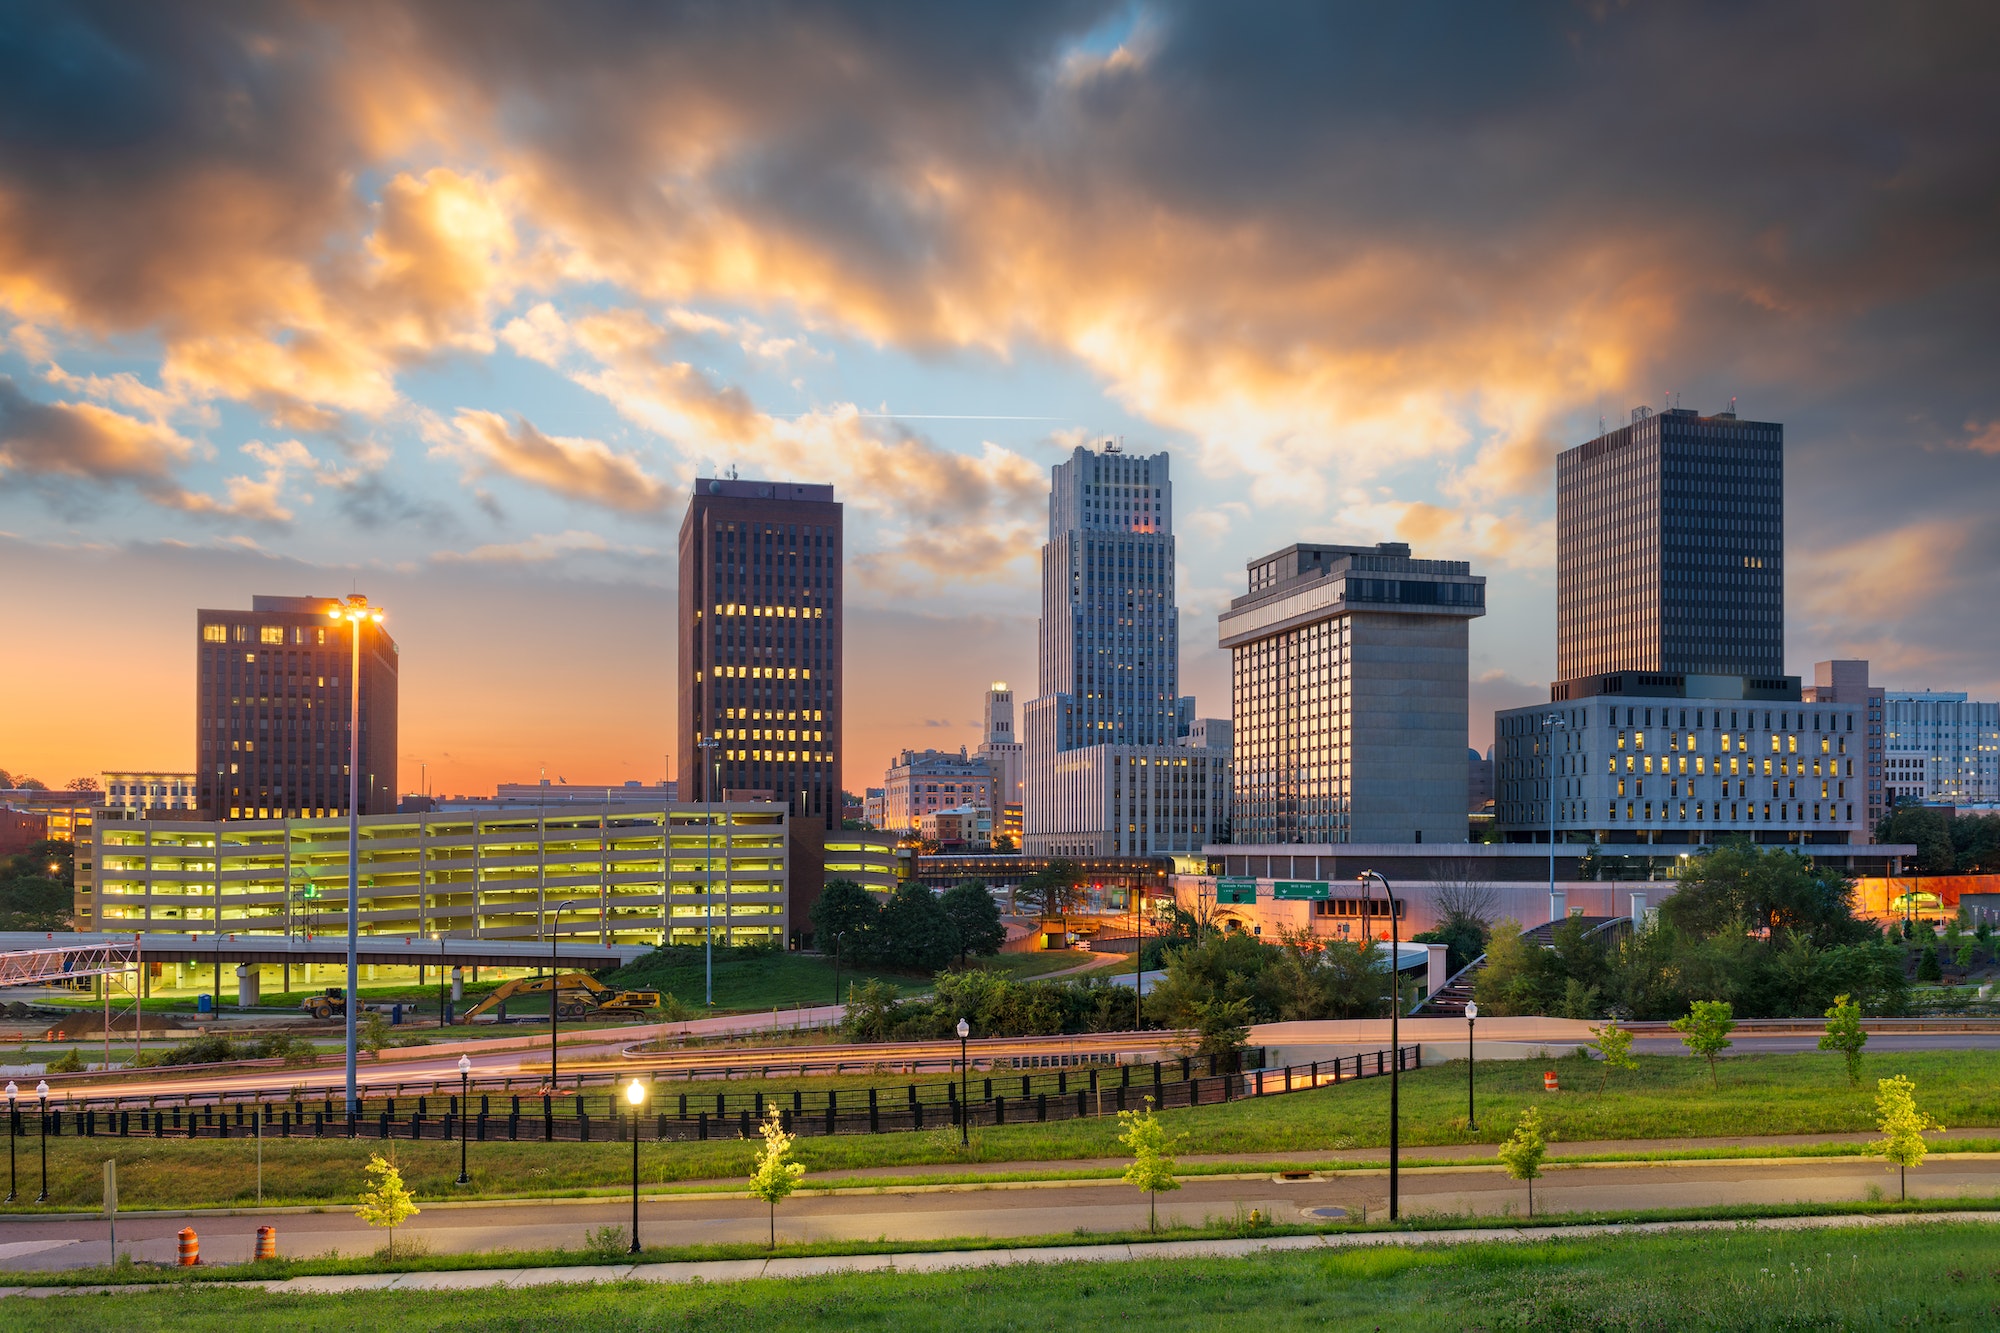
(635, 1096)
(464, 1112)
(356, 612)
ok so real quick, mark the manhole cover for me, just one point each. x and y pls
(1327, 1214)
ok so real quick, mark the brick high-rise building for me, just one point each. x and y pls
(760, 644)
(273, 691)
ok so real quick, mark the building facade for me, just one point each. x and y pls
(1348, 670)
(921, 782)
(137, 795)
(1945, 741)
(1682, 770)
(1005, 756)
(761, 626)
(1670, 539)
(567, 793)
(1103, 773)
(635, 876)
(1846, 682)
(274, 691)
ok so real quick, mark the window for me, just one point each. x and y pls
(271, 634)
(215, 633)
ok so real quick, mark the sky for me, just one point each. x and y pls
(449, 303)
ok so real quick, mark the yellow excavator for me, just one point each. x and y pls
(577, 995)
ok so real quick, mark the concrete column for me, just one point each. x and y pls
(457, 984)
(249, 985)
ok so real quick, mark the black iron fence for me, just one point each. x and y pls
(1031, 1098)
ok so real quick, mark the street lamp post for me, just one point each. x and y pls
(555, 987)
(1471, 1014)
(1550, 721)
(355, 611)
(635, 1096)
(964, 1110)
(464, 1113)
(1395, 1049)
(444, 1005)
(42, 1091)
(13, 1131)
(708, 870)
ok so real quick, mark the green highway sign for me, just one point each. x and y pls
(1235, 891)
(1300, 890)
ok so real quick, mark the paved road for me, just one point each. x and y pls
(1011, 1211)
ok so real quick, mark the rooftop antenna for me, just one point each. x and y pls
(732, 472)
(1732, 404)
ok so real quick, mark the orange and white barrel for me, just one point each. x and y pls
(267, 1243)
(1549, 1082)
(190, 1248)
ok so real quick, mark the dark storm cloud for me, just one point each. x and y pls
(1318, 238)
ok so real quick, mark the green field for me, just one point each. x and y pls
(1668, 1098)
(1929, 1275)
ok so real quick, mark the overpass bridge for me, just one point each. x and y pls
(42, 957)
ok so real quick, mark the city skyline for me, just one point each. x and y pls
(439, 352)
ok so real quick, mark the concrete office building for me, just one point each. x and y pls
(922, 782)
(274, 689)
(1683, 770)
(760, 644)
(1670, 540)
(632, 876)
(141, 795)
(1846, 682)
(1945, 745)
(1103, 772)
(1348, 673)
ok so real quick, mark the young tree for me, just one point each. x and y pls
(385, 1202)
(1524, 1150)
(374, 1032)
(1927, 963)
(1152, 1150)
(1844, 1034)
(1614, 1043)
(975, 920)
(777, 1175)
(1705, 1029)
(1902, 1126)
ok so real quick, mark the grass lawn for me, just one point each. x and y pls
(1932, 1275)
(1667, 1098)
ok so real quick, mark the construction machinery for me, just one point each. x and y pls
(577, 995)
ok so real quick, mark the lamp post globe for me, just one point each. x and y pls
(1471, 1017)
(964, 1110)
(635, 1097)
(464, 1112)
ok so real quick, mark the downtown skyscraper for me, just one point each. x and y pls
(760, 645)
(1106, 771)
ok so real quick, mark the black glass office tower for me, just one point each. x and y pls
(1670, 550)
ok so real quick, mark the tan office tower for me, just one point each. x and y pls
(760, 636)
(273, 691)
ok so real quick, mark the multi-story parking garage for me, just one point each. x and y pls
(621, 874)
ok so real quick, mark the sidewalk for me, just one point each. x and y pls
(743, 1270)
